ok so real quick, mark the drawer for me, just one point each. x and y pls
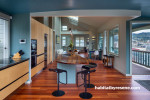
(10, 74)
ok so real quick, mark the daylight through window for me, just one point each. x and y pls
(79, 41)
(63, 41)
(114, 41)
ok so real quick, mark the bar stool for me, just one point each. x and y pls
(85, 94)
(88, 67)
(58, 92)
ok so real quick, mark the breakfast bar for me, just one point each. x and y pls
(70, 63)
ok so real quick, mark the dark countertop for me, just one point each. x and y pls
(6, 63)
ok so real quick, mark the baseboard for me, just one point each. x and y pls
(28, 82)
(123, 73)
(120, 71)
(128, 75)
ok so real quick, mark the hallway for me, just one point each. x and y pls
(44, 83)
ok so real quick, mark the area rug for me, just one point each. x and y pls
(144, 83)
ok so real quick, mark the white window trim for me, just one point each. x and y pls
(65, 40)
(4, 16)
(65, 29)
(79, 41)
(118, 41)
(7, 17)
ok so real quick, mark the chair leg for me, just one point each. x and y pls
(58, 92)
(66, 78)
(85, 95)
(89, 85)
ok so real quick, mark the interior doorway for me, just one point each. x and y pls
(53, 45)
(45, 51)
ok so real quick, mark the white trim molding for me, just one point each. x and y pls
(128, 74)
(129, 13)
(28, 82)
(4, 16)
(76, 32)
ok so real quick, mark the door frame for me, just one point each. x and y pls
(131, 22)
(45, 58)
(53, 45)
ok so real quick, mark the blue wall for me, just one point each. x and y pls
(128, 47)
(20, 29)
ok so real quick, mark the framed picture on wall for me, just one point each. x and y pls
(57, 39)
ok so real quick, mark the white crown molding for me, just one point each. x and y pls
(121, 13)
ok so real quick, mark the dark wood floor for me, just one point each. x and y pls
(45, 83)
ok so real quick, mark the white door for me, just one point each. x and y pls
(4, 39)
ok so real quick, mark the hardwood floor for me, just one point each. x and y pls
(45, 83)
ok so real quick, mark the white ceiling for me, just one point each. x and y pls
(95, 21)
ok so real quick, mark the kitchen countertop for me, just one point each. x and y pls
(73, 59)
(8, 62)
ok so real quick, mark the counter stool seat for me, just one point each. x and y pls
(85, 94)
(88, 67)
(58, 92)
(91, 65)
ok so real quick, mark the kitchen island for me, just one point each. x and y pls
(70, 63)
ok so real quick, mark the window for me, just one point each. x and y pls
(64, 28)
(79, 41)
(141, 40)
(63, 41)
(114, 41)
(101, 41)
(4, 38)
(76, 18)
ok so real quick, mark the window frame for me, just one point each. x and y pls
(80, 41)
(101, 41)
(63, 28)
(65, 41)
(7, 38)
(116, 26)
